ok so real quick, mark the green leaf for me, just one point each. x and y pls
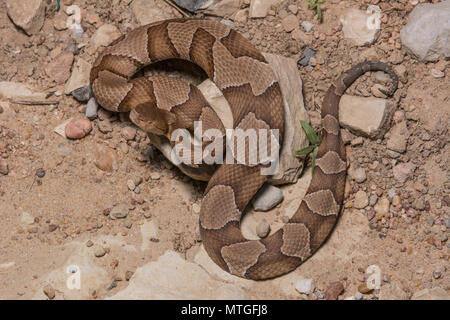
(313, 160)
(305, 151)
(312, 136)
(313, 6)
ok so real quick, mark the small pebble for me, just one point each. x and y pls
(99, 251)
(262, 229)
(40, 173)
(82, 94)
(49, 291)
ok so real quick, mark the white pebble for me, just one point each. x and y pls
(305, 286)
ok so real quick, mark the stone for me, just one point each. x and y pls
(18, 91)
(119, 212)
(149, 11)
(104, 35)
(4, 167)
(190, 5)
(305, 286)
(28, 15)
(105, 126)
(267, 198)
(260, 8)
(290, 167)
(359, 27)
(435, 293)
(403, 171)
(49, 292)
(361, 200)
(294, 139)
(105, 159)
(59, 68)
(91, 109)
(382, 206)
(79, 77)
(365, 116)
(223, 8)
(307, 25)
(357, 174)
(398, 138)
(173, 278)
(99, 251)
(426, 34)
(290, 22)
(262, 229)
(333, 290)
(82, 94)
(26, 219)
(78, 128)
(128, 133)
(307, 54)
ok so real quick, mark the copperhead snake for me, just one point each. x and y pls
(160, 104)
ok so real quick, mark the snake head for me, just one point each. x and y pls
(152, 119)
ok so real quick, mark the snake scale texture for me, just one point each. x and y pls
(161, 104)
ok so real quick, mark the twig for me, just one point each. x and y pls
(35, 102)
(170, 3)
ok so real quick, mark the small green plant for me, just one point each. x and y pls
(315, 5)
(314, 139)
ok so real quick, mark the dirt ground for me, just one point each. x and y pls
(57, 196)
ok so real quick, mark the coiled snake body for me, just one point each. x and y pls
(161, 104)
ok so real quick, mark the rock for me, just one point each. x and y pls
(361, 200)
(360, 27)
(128, 133)
(307, 25)
(398, 138)
(105, 159)
(364, 116)
(262, 229)
(82, 94)
(223, 8)
(49, 291)
(382, 207)
(91, 109)
(267, 198)
(59, 69)
(172, 277)
(28, 15)
(149, 11)
(295, 139)
(290, 22)
(260, 8)
(119, 212)
(190, 5)
(333, 290)
(418, 204)
(99, 251)
(358, 174)
(435, 293)
(403, 171)
(305, 286)
(79, 77)
(76, 275)
(104, 35)
(4, 167)
(290, 167)
(426, 34)
(155, 176)
(78, 128)
(196, 208)
(26, 219)
(437, 73)
(307, 54)
(104, 126)
(18, 91)
(130, 184)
